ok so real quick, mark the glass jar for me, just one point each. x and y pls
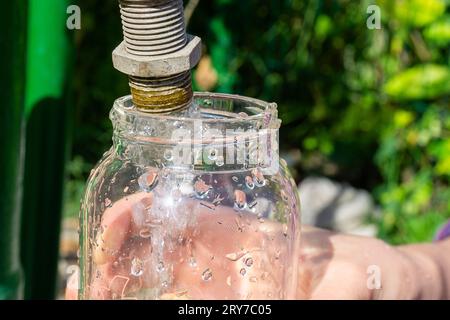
(195, 205)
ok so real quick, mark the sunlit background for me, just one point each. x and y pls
(366, 112)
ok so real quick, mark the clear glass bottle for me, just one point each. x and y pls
(195, 205)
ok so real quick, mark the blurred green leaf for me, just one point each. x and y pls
(420, 82)
(416, 13)
(439, 32)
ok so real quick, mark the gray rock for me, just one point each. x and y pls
(336, 206)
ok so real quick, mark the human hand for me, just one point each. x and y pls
(331, 265)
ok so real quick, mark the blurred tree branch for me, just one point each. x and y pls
(189, 10)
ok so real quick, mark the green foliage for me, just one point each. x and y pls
(420, 82)
(369, 107)
(414, 13)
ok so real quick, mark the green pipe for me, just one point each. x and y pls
(47, 134)
(12, 80)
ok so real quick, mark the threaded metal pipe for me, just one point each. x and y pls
(154, 28)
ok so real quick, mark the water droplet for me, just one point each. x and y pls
(153, 223)
(217, 200)
(145, 232)
(207, 274)
(160, 266)
(137, 267)
(239, 225)
(148, 180)
(234, 178)
(240, 199)
(285, 229)
(229, 281)
(108, 203)
(258, 178)
(168, 155)
(126, 189)
(235, 255)
(249, 261)
(252, 205)
(277, 254)
(207, 102)
(284, 196)
(212, 155)
(243, 272)
(201, 188)
(192, 262)
(220, 161)
(249, 182)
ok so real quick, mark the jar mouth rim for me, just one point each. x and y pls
(265, 112)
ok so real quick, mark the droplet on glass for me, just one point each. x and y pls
(217, 200)
(243, 272)
(207, 274)
(220, 161)
(145, 232)
(212, 155)
(249, 182)
(137, 267)
(229, 281)
(285, 229)
(252, 205)
(160, 266)
(277, 254)
(248, 261)
(258, 178)
(192, 262)
(153, 223)
(234, 178)
(284, 196)
(126, 189)
(108, 203)
(239, 225)
(148, 180)
(240, 199)
(168, 155)
(235, 255)
(201, 188)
